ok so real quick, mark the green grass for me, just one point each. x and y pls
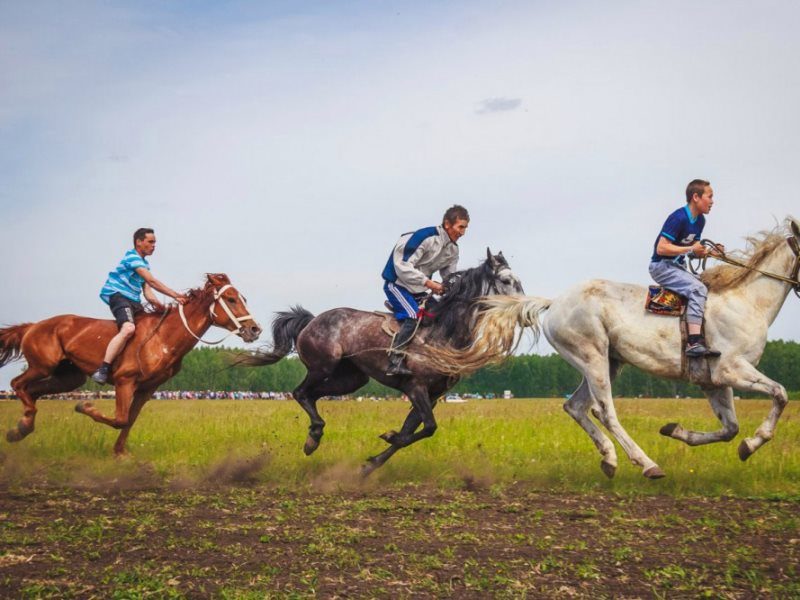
(490, 442)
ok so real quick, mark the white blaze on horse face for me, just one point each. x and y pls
(508, 284)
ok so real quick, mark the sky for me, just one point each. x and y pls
(289, 144)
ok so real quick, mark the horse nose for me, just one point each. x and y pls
(255, 331)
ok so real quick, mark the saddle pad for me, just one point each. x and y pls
(662, 301)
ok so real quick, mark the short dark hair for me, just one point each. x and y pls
(140, 234)
(454, 213)
(696, 186)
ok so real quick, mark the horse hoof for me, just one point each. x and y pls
(609, 470)
(744, 451)
(310, 445)
(388, 437)
(654, 472)
(80, 407)
(668, 429)
(13, 435)
(369, 467)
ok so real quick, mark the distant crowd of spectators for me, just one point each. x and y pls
(219, 395)
(165, 395)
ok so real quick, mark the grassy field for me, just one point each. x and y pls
(506, 501)
(489, 441)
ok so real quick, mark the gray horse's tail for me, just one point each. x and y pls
(11, 342)
(286, 326)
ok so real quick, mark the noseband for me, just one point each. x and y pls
(237, 321)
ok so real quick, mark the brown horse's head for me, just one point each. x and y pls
(229, 308)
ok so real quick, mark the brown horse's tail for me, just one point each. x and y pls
(11, 341)
(286, 326)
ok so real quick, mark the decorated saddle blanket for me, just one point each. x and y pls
(663, 301)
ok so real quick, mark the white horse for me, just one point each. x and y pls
(600, 325)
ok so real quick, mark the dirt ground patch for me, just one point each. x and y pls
(399, 542)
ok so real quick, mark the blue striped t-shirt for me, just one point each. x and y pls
(124, 279)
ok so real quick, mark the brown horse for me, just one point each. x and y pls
(62, 351)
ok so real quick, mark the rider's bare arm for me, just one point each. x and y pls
(434, 286)
(157, 285)
(147, 291)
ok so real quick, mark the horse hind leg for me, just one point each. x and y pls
(35, 383)
(598, 371)
(721, 401)
(577, 406)
(344, 379)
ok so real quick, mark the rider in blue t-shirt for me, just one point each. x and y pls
(122, 292)
(678, 238)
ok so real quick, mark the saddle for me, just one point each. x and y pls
(663, 301)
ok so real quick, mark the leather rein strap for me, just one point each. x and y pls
(720, 255)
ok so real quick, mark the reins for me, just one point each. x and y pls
(720, 255)
(149, 337)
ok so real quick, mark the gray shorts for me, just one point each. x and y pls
(678, 279)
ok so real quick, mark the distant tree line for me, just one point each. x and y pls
(531, 376)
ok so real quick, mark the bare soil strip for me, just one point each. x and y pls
(397, 542)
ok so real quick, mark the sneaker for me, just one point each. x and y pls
(101, 375)
(699, 349)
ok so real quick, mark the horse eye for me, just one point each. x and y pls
(231, 300)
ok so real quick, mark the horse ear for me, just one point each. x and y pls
(490, 258)
(218, 279)
(795, 228)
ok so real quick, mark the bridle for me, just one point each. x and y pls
(719, 254)
(496, 275)
(237, 321)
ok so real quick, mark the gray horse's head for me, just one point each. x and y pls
(504, 281)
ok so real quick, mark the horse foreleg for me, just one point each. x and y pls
(139, 399)
(577, 406)
(721, 401)
(410, 425)
(422, 413)
(746, 377)
(124, 394)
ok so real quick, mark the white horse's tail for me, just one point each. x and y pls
(494, 335)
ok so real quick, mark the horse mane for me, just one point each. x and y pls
(201, 294)
(453, 312)
(758, 248)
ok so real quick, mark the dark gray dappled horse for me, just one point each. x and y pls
(342, 348)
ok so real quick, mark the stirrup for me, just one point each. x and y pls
(397, 366)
